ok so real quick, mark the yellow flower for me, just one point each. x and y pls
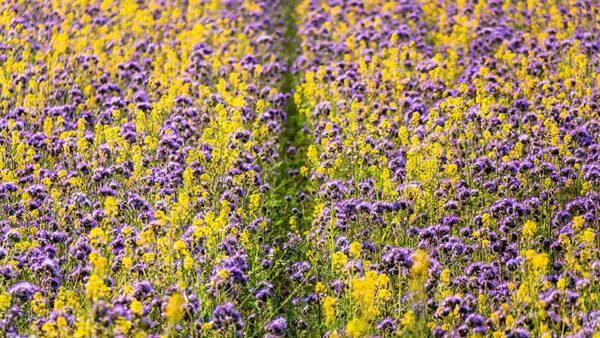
(49, 329)
(371, 275)
(587, 236)
(82, 329)
(328, 306)
(355, 327)
(188, 262)
(304, 171)
(97, 236)
(95, 287)
(355, 248)
(223, 274)
(419, 269)
(363, 290)
(510, 320)
(5, 300)
(180, 246)
(495, 317)
(72, 299)
(75, 181)
(111, 205)
(340, 259)
(48, 127)
(174, 310)
(148, 257)
(127, 261)
(383, 295)
(529, 229)
(312, 153)
(409, 319)
(445, 276)
(136, 307)
(123, 324)
(383, 279)
(98, 262)
(540, 262)
(578, 222)
(61, 321)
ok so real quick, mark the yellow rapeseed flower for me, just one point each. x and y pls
(355, 327)
(529, 229)
(174, 310)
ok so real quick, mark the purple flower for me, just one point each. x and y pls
(276, 327)
(226, 317)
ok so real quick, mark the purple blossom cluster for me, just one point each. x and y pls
(138, 143)
(453, 150)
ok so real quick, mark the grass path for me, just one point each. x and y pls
(286, 189)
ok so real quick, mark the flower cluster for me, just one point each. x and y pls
(138, 143)
(453, 159)
(299, 168)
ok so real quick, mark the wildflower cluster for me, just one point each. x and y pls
(299, 168)
(138, 143)
(454, 151)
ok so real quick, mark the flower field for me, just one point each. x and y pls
(299, 168)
